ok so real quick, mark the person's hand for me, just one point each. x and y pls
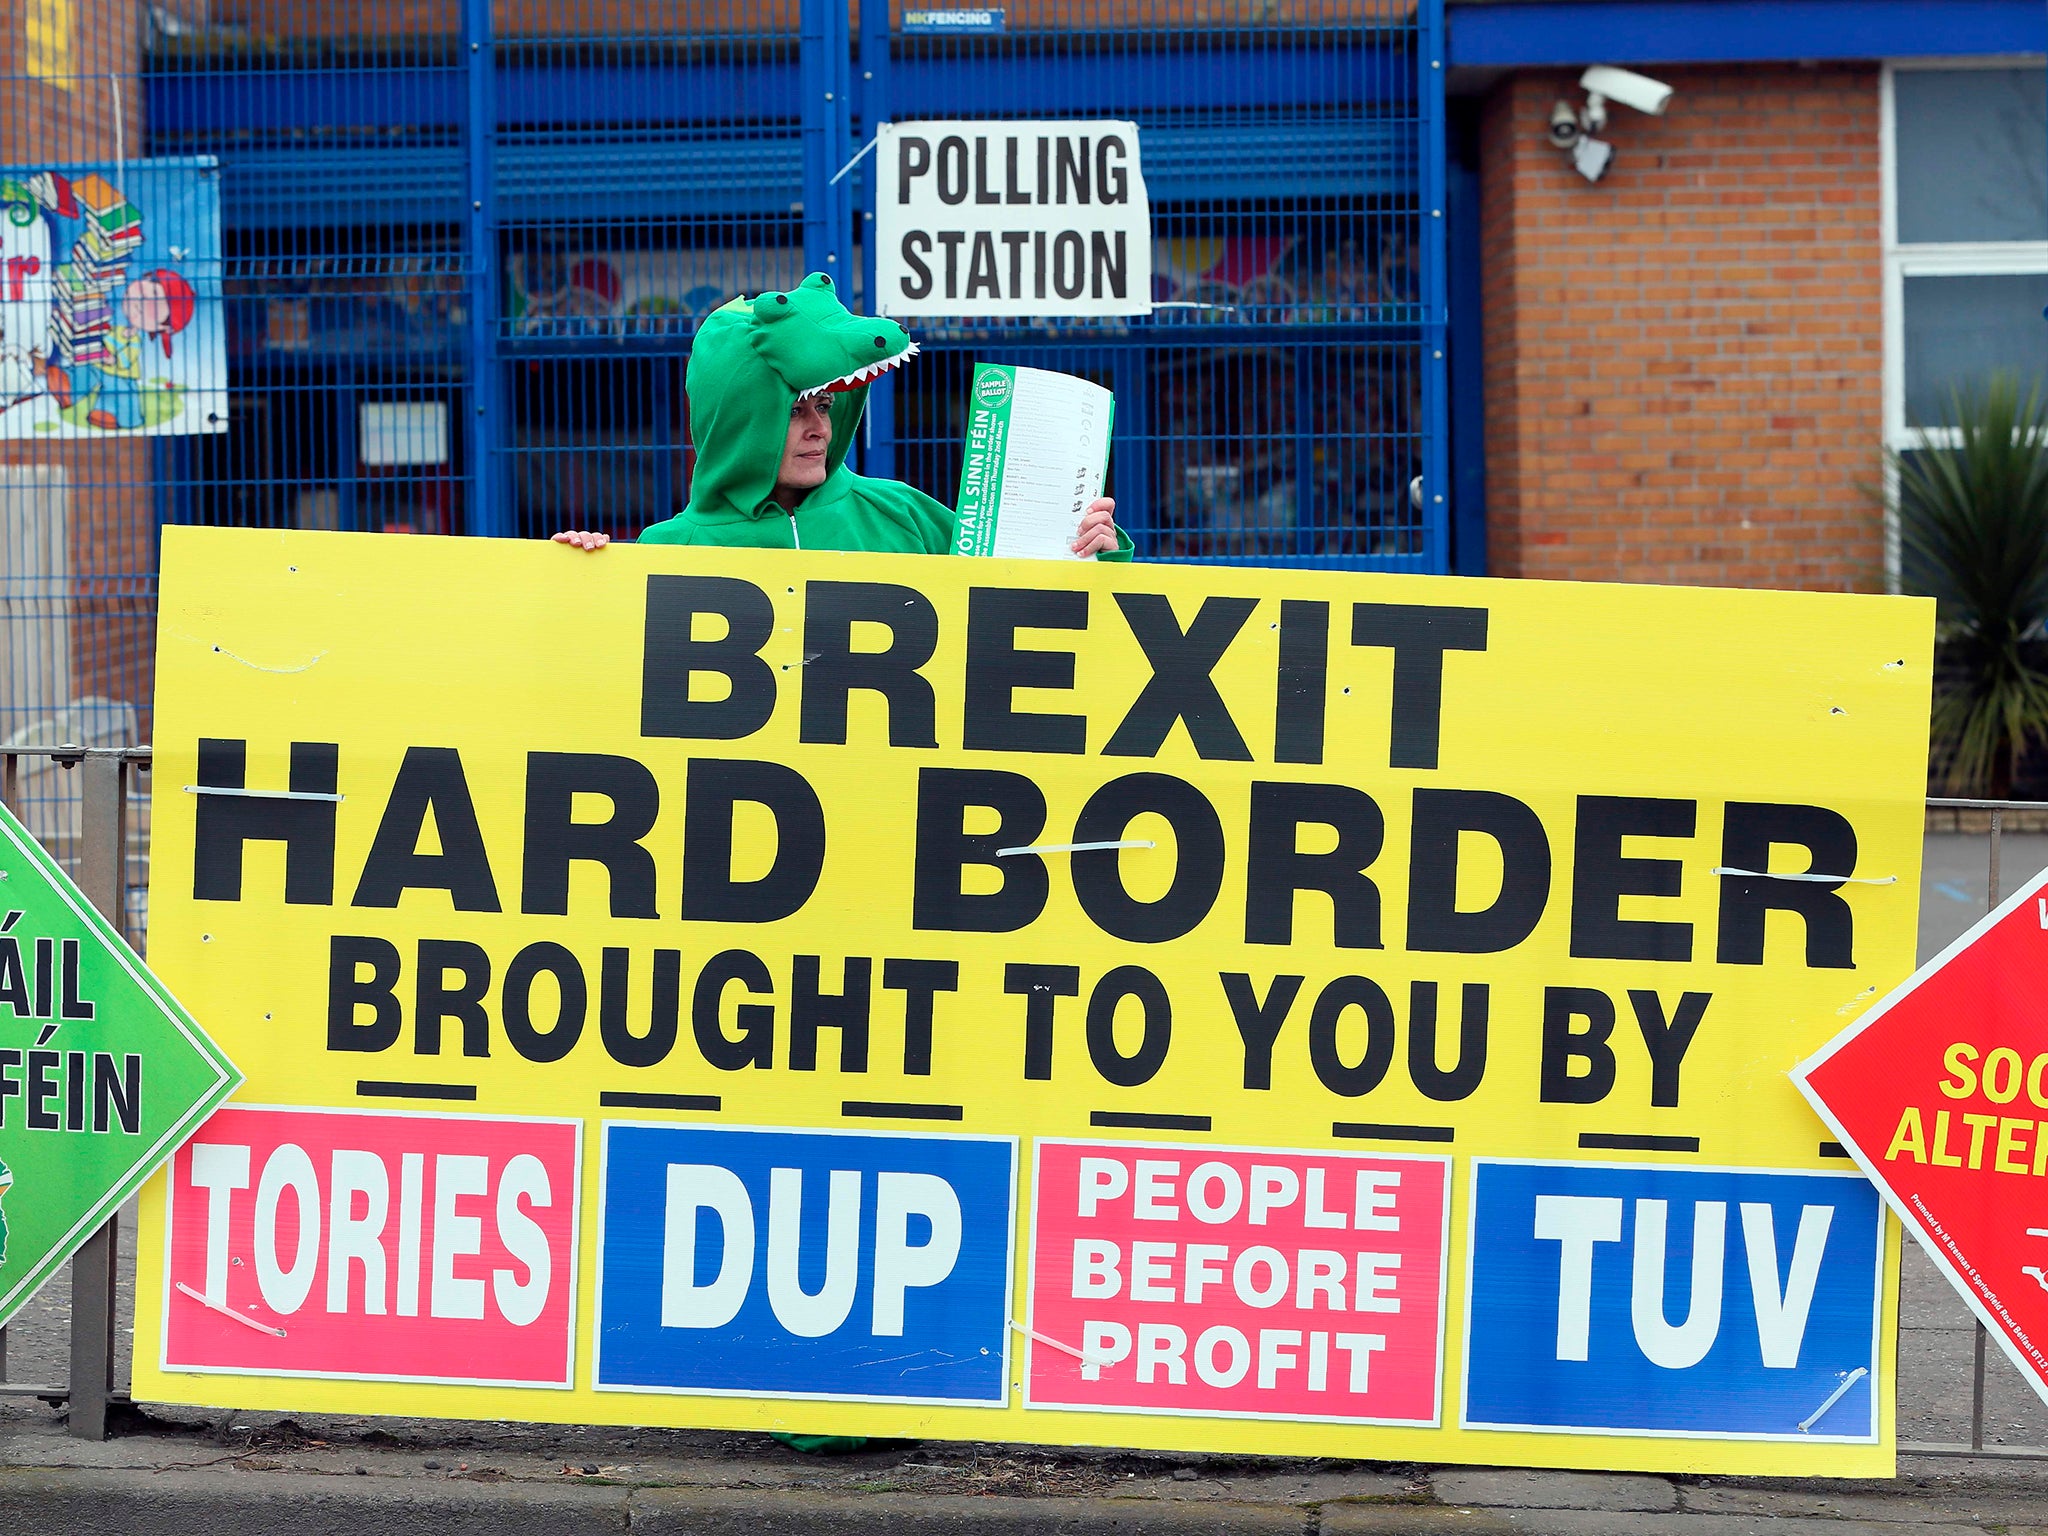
(584, 538)
(1098, 529)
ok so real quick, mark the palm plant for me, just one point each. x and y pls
(1972, 508)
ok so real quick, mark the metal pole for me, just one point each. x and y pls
(1434, 253)
(92, 1332)
(103, 877)
(1991, 895)
(488, 431)
(878, 453)
(10, 796)
(824, 43)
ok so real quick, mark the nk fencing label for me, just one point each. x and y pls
(982, 218)
(1263, 1011)
(102, 1073)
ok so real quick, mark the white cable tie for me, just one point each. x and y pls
(1009, 853)
(1081, 1354)
(1765, 874)
(277, 1333)
(306, 666)
(856, 160)
(261, 794)
(1834, 1397)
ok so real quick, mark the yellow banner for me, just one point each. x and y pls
(1249, 1010)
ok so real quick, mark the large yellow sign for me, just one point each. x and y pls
(1251, 1010)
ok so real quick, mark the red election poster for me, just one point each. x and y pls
(400, 1246)
(1253, 1283)
(1940, 1092)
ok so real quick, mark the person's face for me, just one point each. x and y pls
(803, 451)
(146, 306)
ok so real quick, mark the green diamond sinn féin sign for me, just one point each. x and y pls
(102, 1074)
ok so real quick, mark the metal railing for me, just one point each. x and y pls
(1993, 891)
(99, 860)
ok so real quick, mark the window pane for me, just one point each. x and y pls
(1960, 330)
(1972, 154)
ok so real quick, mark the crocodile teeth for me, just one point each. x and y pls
(860, 376)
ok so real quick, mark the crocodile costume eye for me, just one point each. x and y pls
(881, 341)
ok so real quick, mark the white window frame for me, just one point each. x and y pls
(1985, 258)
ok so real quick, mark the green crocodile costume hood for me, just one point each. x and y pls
(752, 360)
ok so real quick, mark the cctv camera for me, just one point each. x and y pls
(1564, 126)
(1626, 87)
(1590, 157)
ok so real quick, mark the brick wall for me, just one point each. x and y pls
(110, 507)
(1683, 362)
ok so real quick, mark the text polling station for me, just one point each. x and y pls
(1310, 1012)
(976, 217)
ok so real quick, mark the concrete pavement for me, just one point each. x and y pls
(229, 1473)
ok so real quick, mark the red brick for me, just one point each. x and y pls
(1696, 338)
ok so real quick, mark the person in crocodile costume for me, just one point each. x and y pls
(777, 385)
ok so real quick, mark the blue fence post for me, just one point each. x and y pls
(485, 421)
(1429, 91)
(824, 47)
(1130, 455)
(1466, 357)
(347, 513)
(878, 456)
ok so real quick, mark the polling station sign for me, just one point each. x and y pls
(974, 217)
(1317, 1012)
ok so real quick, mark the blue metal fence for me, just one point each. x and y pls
(465, 245)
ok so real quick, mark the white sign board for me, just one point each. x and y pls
(1011, 219)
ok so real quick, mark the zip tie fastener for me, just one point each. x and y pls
(1098, 1362)
(856, 160)
(278, 1333)
(261, 794)
(1136, 842)
(1834, 1397)
(1765, 874)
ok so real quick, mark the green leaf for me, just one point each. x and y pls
(1973, 532)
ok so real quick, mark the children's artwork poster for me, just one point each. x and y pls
(110, 312)
(1316, 1013)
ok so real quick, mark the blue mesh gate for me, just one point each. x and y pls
(463, 247)
(1274, 408)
